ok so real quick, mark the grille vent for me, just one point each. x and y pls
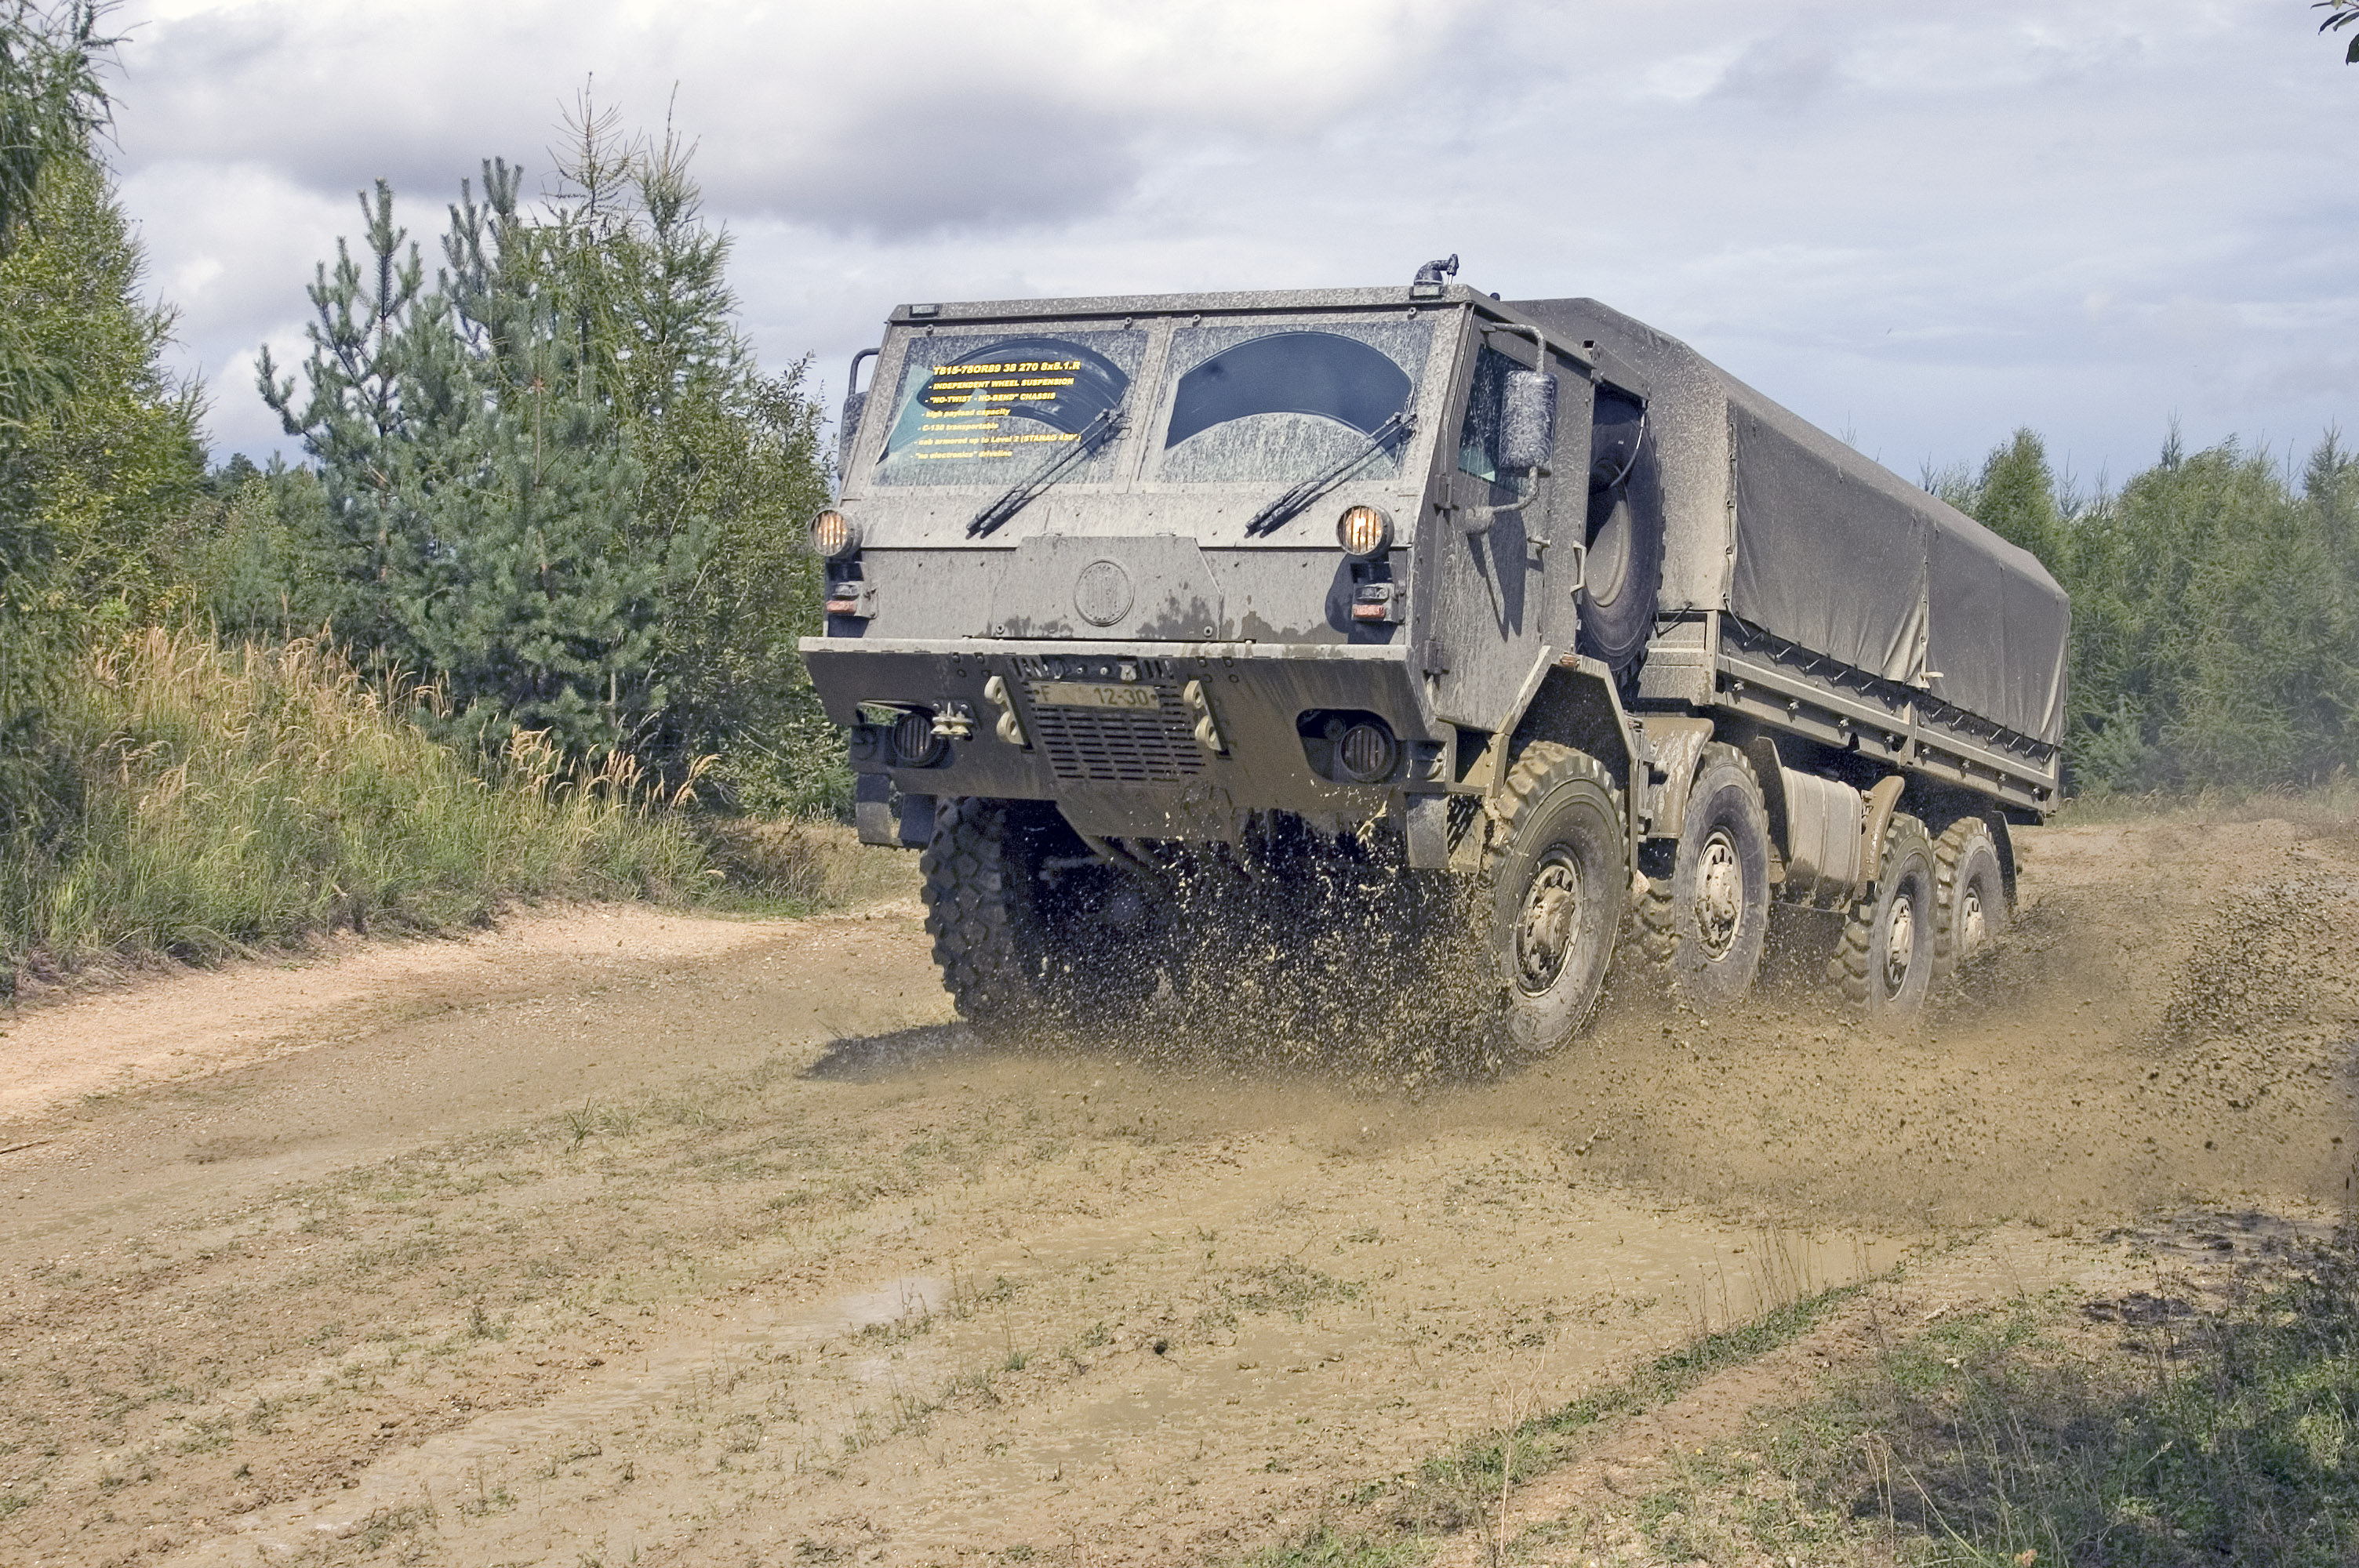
(1107, 745)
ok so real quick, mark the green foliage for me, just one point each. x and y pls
(2225, 1435)
(250, 556)
(2340, 13)
(557, 484)
(2215, 605)
(234, 798)
(51, 103)
(108, 473)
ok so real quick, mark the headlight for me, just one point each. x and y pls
(915, 744)
(1363, 753)
(833, 534)
(1364, 531)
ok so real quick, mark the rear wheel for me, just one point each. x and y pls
(1970, 904)
(1708, 921)
(1884, 960)
(1553, 881)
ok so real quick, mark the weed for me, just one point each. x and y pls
(206, 1436)
(386, 1523)
(1321, 1546)
(2227, 1436)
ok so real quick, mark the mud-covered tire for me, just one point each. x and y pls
(1883, 961)
(1970, 905)
(1555, 871)
(1017, 948)
(1707, 923)
(980, 914)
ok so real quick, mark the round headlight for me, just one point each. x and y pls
(833, 534)
(915, 744)
(1363, 531)
(1364, 753)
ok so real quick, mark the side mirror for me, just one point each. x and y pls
(1527, 422)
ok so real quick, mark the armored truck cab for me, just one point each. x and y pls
(1522, 598)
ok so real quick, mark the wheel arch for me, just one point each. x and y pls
(1575, 704)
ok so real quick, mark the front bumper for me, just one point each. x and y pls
(1142, 773)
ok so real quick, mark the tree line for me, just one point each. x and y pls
(546, 487)
(2215, 609)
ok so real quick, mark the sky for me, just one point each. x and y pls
(1920, 226)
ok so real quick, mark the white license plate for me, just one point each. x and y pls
(1089, 693)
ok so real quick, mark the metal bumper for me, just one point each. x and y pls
(1218, 739)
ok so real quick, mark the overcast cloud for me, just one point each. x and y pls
(1922, 225)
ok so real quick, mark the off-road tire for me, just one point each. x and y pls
(981, 913)
(1016, 947)
(1556, 868)
(1710, 952)
(1970, 904)
(1890, 985)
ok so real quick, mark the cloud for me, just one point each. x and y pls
(1892, 216)
(894, 117)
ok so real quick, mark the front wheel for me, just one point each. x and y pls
(1553, 883)
(1027, 930)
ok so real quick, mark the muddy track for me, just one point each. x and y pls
(619, 1237)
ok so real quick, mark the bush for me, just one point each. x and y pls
(215, 800)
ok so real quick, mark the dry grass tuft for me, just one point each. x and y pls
(223, 799)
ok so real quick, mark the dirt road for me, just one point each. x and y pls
(616, 1237)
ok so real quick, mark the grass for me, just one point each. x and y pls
(1455, 1489)
(2222, 1433)
(235, 798)
(1463, 1489)
(2332, 804)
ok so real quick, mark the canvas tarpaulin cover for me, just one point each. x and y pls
(1776, 523)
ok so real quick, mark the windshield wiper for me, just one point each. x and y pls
(1282, 511)
(1017, 496)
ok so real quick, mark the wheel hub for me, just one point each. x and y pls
(1718, 894)
(1899, 944)
(1972, 931)
(1549, 922)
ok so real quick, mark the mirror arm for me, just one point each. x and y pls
(847, 424)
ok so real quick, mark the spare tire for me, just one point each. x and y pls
(1624, 575)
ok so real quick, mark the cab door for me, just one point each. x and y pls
(1505, 591)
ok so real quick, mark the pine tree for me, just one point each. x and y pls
(2016, 498)
(2215, 612)
(557, 481)
(478, 489)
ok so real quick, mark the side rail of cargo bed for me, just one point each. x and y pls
(1713, 660)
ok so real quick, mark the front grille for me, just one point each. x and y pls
(1120, 745)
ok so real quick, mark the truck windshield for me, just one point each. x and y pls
(1266, 404)
(987, 410)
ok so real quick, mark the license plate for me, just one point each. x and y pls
(1088, 694)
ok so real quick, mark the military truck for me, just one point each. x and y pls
(1520, 608)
